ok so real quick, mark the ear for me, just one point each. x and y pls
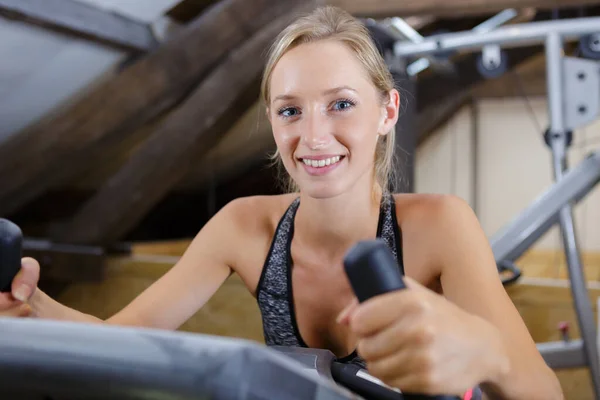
(268, 113)
(390, 113)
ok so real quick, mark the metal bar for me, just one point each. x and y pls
(559, 355)
(515, 35)
(558, 143)
(554, 70)
(519, 234)
(497, 20)
(83, 19)
(423, 63)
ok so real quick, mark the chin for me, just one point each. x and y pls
(322, 190)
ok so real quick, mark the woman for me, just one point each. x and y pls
(332, 106)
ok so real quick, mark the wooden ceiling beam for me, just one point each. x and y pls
(447, 8)
(83, 20)
(59, 149)
(165, 158)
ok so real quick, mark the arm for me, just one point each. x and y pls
(423, 342)
(469, 279)
(178, 294)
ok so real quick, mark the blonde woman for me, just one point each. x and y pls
(332, 106)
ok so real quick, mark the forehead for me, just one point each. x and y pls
(318, 66)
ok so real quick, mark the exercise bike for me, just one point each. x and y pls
(52, 360)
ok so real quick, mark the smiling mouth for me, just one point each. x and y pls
(325, 162)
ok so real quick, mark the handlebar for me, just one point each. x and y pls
(369, 265)
(372, 271)
(11, 240)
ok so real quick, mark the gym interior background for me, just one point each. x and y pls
(109, 172)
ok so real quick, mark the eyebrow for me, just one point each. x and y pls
(326, 92)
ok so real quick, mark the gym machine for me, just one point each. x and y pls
(573, 87)
(41, 359)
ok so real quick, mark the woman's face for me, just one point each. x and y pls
(326, 117)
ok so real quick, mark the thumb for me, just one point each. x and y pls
(26, 280)
(413, 284)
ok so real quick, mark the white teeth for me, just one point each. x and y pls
(321, 163)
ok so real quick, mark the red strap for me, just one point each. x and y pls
(468, 395)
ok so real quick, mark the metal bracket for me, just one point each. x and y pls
(582, 91)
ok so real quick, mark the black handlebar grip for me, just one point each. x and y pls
(11, 241)
(372, 271)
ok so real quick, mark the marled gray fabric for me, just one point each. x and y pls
(273, 291)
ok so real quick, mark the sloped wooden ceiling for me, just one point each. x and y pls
(118, 129)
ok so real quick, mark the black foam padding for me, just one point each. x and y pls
(11, 241)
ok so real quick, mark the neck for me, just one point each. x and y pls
(335, 224)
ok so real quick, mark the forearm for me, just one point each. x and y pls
(45, 307)
(525, 378)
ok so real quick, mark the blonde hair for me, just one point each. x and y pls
(334, 23)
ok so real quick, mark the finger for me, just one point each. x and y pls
(8, 301)
(24, 310)
(26, 279)
(404, 333)
(399, 365)
(382, 311)
(19, 310)
(344, 316)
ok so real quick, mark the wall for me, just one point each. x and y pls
(513, 165)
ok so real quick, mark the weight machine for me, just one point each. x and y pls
(573, 87)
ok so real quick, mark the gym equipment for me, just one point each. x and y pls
(573, 101)
(439, 59)
(44, 358)
(10, 253)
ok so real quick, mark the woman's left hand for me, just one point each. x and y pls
(419, 342)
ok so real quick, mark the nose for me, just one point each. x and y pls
(315, 134)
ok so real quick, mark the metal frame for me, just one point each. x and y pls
(555, 205)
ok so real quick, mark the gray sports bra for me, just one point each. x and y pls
(274, 290)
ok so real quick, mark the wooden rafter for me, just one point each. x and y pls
(77, 18)
(447, 8)
(57, 150)
(166, 156)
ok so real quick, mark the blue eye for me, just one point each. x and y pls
(288, 112)
(341, 105)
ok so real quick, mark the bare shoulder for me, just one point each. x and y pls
(434, 228)
(256, 214)
(251, 223)
(428, 209)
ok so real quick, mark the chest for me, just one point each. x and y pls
(319, 293)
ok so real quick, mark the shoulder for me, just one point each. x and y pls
(438, 228)
(240, 233)
(256, 212)
(433, 210)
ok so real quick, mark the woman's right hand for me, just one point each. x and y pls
(24, 285)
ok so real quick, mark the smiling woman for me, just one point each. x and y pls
(312, 83)
(332, 106)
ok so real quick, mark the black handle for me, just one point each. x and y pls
(11, 240)
(372, 271)
(511, 267)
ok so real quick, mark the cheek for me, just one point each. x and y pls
(286, 140)
(360, 135)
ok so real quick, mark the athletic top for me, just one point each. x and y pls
(274, 290)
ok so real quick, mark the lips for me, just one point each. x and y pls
(322, 162)
(321, 165)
